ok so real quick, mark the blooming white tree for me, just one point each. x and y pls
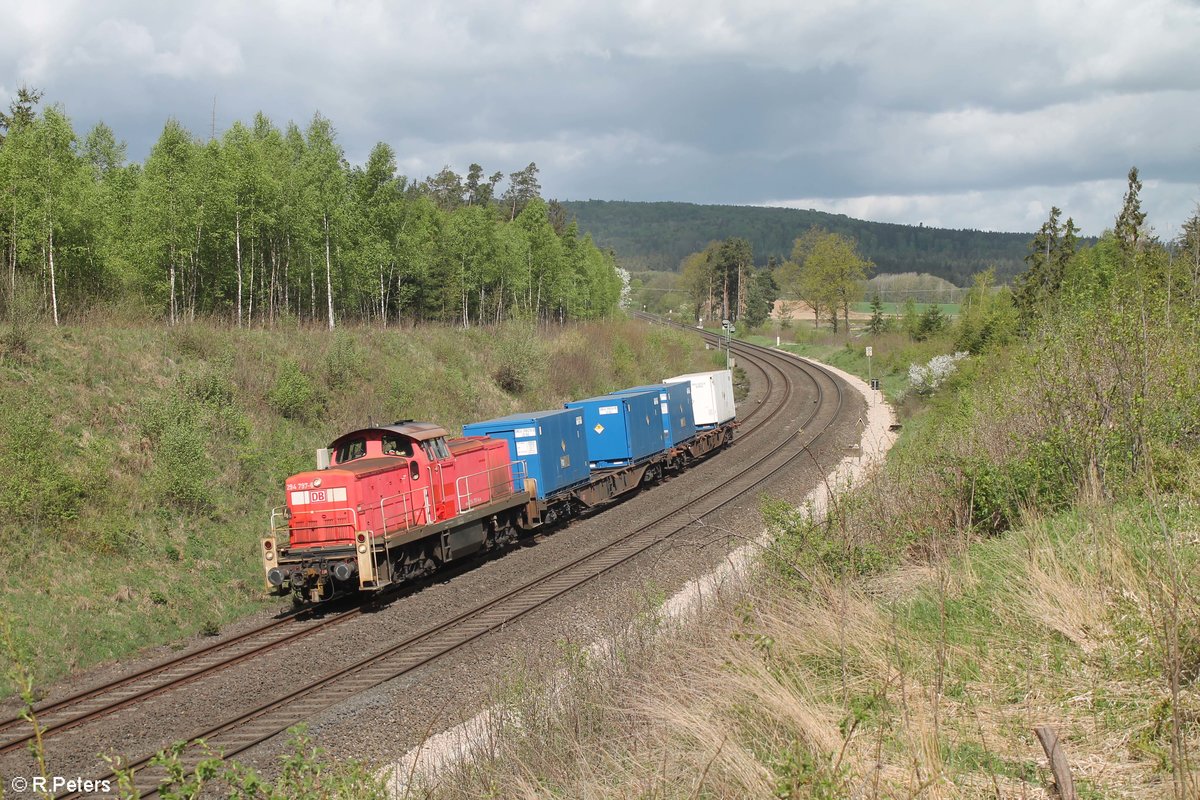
(925, 379)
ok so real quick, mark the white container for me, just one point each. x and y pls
(712, 396)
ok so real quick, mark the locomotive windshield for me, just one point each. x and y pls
(397, 446)
(348, 451)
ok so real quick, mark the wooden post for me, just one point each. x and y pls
(1058, 762)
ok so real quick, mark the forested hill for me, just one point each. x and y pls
(659, 235)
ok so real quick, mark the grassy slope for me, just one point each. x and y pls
(894, 653)
(926, 681)
(142, 464)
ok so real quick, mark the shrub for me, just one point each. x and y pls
(520, 360)
(806, 547)
(35, 486)
(343, 362)
(294, 396)
(182, 473)
(1042, 478)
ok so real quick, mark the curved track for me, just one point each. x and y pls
(243, 731)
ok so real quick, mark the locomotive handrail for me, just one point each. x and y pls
(408, 510)
(462, 486)
(280, 511)
(353, 522)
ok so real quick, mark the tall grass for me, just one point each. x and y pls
(925, 683)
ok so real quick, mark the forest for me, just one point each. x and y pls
(658, 236)
(263, 224)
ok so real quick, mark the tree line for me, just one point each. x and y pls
(827, 272)
(658, 236)
(263, 224)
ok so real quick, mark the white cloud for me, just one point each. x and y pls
(114, 41)
(1092, 204)
(125, 44)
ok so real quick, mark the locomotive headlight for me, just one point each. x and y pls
(269, 555)
(362, 548)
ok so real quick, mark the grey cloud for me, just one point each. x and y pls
(850, 104)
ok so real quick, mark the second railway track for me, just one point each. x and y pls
(241, 731)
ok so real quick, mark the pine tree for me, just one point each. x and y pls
(1128, 226)
(1049, 253)
(878, 323)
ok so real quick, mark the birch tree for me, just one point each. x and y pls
(166, 206)
(325, 174)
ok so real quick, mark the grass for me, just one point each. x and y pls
(144, 462)
(925, 682)
(896, 309)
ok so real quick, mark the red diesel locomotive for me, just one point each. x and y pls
(394, 503)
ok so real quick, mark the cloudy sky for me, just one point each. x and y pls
(954, 114)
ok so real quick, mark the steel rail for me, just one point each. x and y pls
(277, 715)
(98, 701)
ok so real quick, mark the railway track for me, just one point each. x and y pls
(63, 714)
(249, 729)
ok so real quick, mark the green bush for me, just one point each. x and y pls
(35, 484)
(520, 358)
(344, 363)
(804, 547)
(294, 396)
(183, 474)
(207, 386)
(1043, 479)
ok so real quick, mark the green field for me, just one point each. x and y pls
(896, 309)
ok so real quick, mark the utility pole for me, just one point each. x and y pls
(727, 327)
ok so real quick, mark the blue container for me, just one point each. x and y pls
(551, 444)
(675, 400)
(621, 429)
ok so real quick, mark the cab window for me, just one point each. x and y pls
(348, 451)
(397, 446)
(435, 449)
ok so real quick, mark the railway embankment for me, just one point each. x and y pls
(1022, 570)
(142, 462)
(423, 767)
